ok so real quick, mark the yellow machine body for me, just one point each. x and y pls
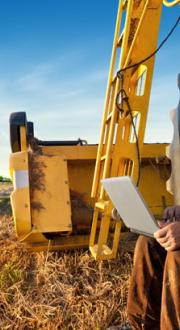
(58, 201)
(126, 106)
(55, 210)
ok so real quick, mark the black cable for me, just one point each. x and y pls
(126, 99)
(151, 55)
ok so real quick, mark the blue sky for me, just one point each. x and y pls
(54, 62)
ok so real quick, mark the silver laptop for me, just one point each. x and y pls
(130, 205)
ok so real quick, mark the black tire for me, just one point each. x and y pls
(16, 120)
(30, 130)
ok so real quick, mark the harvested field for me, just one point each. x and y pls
(5, 189)
(59, 290)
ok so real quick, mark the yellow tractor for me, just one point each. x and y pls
(58, 201)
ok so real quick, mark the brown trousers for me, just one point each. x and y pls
(154, 293)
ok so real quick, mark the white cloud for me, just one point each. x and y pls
(69, 109)
(42, 82)
(36, 79)
(60, 110)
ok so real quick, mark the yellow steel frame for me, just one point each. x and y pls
(117, 152)
(31, 223)
(20, 198)
(23, 140)
(171, 3)
(81, 161)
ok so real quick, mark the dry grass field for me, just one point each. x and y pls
(58, 290)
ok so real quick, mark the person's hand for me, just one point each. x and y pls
(172, 213)
(169, 236)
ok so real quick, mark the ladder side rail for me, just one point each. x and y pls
(109, 84)
(133, 99)
(114, 110)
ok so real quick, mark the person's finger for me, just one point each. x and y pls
(177, 213)
(166, 213)
(162, 240)
(174, 246)
(161, 232)
(162, 223)
(170, 246)
(171, 213)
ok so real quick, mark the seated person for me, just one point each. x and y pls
(154, 293)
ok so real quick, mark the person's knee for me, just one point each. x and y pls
(172, 268)
(173, 257)
(145, 241)
(143, 245)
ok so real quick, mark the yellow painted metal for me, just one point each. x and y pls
(80, 164)
(21, 211)
(80, 167)
(100, 250)
(154, 150)
(62, 243)
(117, 152)
(171, 3)
(76, 153)
(154, 174)
(106, 105)
(50, 196)
(23, 139)
(55, 187)
(18, 162)
(58, 199)
(20, 197)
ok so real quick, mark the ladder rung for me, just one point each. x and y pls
(124, 4)
(100, 205)
(105, 253)
(103, 157)
(114, 79)
(109, 117)
(119, 43)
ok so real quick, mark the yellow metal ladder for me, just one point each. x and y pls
(124, 117)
